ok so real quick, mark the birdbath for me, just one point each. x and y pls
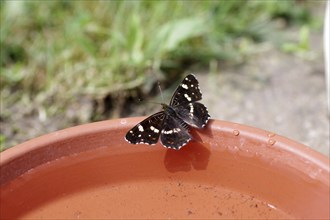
(227, 171)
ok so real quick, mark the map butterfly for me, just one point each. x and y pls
(172, 124)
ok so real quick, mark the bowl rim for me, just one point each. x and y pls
(295, 148)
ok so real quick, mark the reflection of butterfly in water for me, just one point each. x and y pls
(172, 124)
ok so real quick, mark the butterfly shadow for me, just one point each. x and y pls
(195, 155)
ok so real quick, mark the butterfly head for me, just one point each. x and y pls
(168, 109)
(165, 106)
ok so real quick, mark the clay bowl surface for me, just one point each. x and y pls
(228, 171)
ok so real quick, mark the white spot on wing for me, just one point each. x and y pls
(167, 132)
(187, 97)
(191, 109)
(154, 129)
(174, 130)
(140, 128)
(184, 86)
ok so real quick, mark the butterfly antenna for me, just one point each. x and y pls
(143, 101)
(161, 94)
(160, 90)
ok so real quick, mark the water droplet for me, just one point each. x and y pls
(313, 174)
(270, 135)
(271, 142)
(233, 149)
(123, 121)
(245, 153)
(56, 133)
(236, 132)
(271, 206)
(222, 148)
(257, 154)
(273, 161)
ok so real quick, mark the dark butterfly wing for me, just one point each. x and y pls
(147, 131)
(175, 133)
(188, 91)
(194, 114)
(172, 123)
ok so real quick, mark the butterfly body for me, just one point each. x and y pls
(172, 124)
(168, 110)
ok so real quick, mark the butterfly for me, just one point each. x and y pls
(173, 122)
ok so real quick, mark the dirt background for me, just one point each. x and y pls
(275, 91)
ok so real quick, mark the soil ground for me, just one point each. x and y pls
(274, 91)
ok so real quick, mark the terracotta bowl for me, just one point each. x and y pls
(228, 171)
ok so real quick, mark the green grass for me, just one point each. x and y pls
(53, 52)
